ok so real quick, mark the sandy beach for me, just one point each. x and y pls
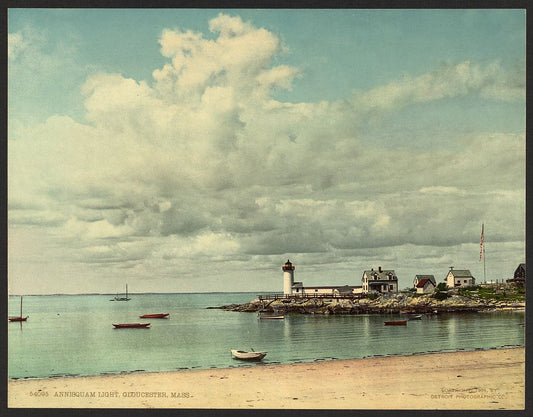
(493, 379)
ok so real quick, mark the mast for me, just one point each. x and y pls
(21, 306)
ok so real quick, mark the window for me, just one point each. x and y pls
(465, 281)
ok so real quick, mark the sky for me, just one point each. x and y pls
(196, 150)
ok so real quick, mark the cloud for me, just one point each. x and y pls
(447, 81)
(15, 45)
(202, 163)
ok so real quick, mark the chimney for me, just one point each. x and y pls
(380, 269)
(451, 268)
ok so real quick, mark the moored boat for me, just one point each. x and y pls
(155, 316)
(247, 356)
(126, 298)
(271, 317)
(131, 325)
(417, 317)
(396, 323)
(19, 318)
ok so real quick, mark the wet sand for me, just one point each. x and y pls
(493, 379)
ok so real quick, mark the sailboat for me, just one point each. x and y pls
(117, 298)
(19, 318)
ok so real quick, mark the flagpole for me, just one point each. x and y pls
(484, 269)
(482, 251)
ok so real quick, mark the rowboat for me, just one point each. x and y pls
(271, 317)
(19, 318)
(396, 323)
(247, 356)
(417, 317)
(155, 316)
(131, 325)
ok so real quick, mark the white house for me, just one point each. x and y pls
(382, 281)
(459, 278)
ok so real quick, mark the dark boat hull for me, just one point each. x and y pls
(396, 323)
(154, 316)
(131, 325)
(18, 318)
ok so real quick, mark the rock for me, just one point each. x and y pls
(405, 303)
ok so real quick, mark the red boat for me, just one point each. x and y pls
(155, 316)
(396, 323)
(131, 325)
(19, 318)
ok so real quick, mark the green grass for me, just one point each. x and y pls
(496, 293)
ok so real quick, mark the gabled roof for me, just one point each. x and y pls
(461, 273)
(383, 275)
(430, 277)
(423, 282)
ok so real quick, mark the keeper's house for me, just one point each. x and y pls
(380, 281)
(459, 278)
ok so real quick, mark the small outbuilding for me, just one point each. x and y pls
(425, 286)
(458, 278)
(419, 278)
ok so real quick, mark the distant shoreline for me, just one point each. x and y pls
(487, 379)
(134, 293)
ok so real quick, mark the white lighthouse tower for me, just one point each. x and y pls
(288, 277)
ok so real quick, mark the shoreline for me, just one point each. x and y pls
(261, 364)
(493, 378)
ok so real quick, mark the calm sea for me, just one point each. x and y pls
(73, 335)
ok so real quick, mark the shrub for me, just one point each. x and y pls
(440, 295)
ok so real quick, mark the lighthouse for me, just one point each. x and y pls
(288, 277)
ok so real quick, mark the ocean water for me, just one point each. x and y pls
(73, 335)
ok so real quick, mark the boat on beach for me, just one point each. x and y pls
(19, 318)
(155, 316)
(131, 325)
(248, 356)
(395, 323)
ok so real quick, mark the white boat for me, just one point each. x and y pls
(247, 356)
(271, 317)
